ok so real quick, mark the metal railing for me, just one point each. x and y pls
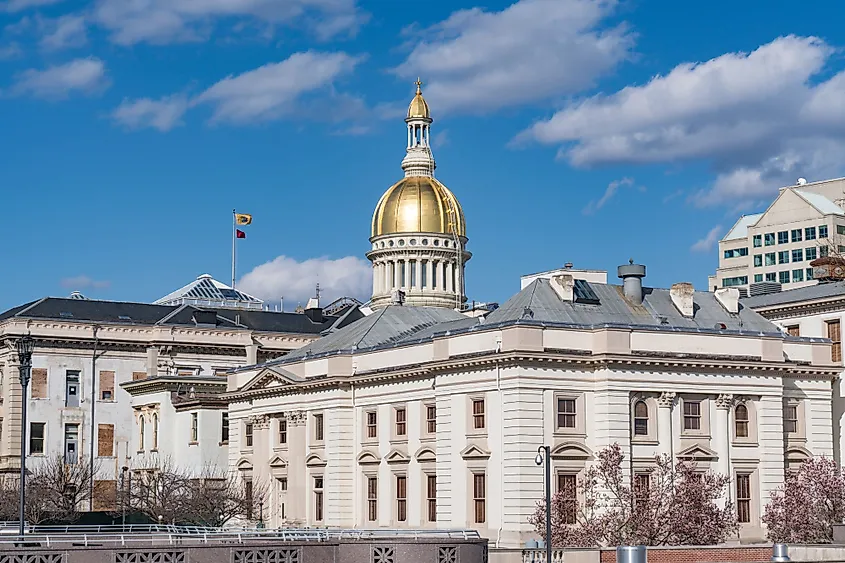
(154, 534)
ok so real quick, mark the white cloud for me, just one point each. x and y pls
(79, 283)
(611, 190)
(296, 281)
(19, 5)
(162, 114)
(10, 51)
(760, 119)
(87, 76)
(64, 32)
(479, 61)
(271, 91)
(711, 238)
(170, 21)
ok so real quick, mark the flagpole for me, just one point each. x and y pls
(234, 234)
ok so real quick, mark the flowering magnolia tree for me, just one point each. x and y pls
(808, 504)
(676, 506)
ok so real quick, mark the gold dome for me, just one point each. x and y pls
(417, 204)
(419, 107)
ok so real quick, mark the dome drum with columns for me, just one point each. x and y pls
(418, 229)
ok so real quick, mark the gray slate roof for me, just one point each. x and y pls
(818, 291)
(538, 304)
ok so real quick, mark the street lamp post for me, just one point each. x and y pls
(25, 346)
(261, 515)
(544, 454)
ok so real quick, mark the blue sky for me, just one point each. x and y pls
(570, 130)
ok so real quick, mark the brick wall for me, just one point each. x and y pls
(699, 554)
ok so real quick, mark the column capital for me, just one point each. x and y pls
(724, 401)
(295, 418)
(260, 421)
(666, 400)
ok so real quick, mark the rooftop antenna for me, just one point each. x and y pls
(318, 293)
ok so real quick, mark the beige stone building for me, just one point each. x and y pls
(804, 222)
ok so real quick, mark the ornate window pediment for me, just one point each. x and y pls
(278, 463)
(314, 460)
(474, 452)
(571, 450)
(269, 378)
(697, 452)
(395, 456)
(368, 458)
(797, 453)
(244, 464)
(425, 455)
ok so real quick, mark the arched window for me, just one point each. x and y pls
(141, 424)
(741, 421)
(640, 419)
(155, 431)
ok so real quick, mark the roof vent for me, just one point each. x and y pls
(205, 318)
(568, 265)
(76, 295)
(527, 313)
(682, 296)
(632, 281)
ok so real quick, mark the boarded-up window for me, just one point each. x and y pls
(105, 440)
(793, 330)
(136, 375)
(107, 386)
(39, 383)
(105, 495)
(833, 332)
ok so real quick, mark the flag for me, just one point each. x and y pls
(243, 219)
(239, 233)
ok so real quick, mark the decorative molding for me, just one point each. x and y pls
(697, 452)
(315, 460)
(277, 463)
(571, 450)
(260, 421)
(296, 418)
(397, 456)
(367, 457)
(473, 452)
(425, 455)
(244, 464)
(724, 401)
(666, 399)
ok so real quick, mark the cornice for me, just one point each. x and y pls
(586, 362)
(156, 384)
(800, 309)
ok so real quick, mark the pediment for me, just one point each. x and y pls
(278, 463)
(270, 377)
(474, 452)
(571, 450)
(244, 464)
(315, 460)
(425, 455)
(698, 452)
(396, 456)
(796, 453)
(367, 457)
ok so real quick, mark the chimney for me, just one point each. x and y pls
(681, 294)
(632, 281)
(729, 298)
(397, 297)
(564, 286)
(568, 265)
(314, 312)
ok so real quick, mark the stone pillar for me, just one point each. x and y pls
(721, 433)
(152, 361)
(299, 489)
(665, 435)
(388, 277)
(252, 353)
(375, 278)
(397, 274)
(450, 286)
(418, 273)
(407, 281)
(429, 274)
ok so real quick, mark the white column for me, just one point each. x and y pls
(449, 284)
(397, 275)
(380, 275)
(388, 277)
(664, 423)
(409, 135)
(375, 278)
(418, 273)
(429, 274)
(721, 433)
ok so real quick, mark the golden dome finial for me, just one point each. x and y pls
(418, 107)
(419, 85)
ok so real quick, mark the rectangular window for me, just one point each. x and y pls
(692, 415)
(770, 259)
(372, 499)
(72, 389)
(194, 426)
(736, 252)
(71, 443)
(566, 413)
(739, 280)
(809, 274)
(823, 251)
(798, 255)
(283, 431)
(431, 419)
(478, 414)
(810, 233)
(758, 260)
(793, 330)
(783, 237)
(822, 231)
(318, 499)
(642, 483)
(796, 235)
(840, 229)
(840, 249)
(248, 435)
(431, 497)
(248, 494)
(224, 427)
(401, 498)
(105, 440)
(372, 424)
(401, 422)
(283, 487)
(36, 438)
(769, 239)
(771, 276)
(318, 427)
(835, 335)
(790, 419)
(479, 497)
(139, 375)
(38, 388)
(107, 386)
(783, 257)
(810, 253)
(798, 275)
(567, 486)
(758, 278)
(757, 240)
(743, 498)
(783, 277)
